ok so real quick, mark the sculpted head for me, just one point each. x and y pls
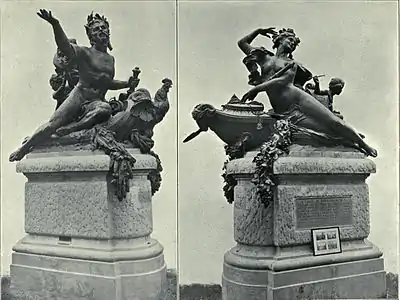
(336, 86)
(286, 39)
(98, 30)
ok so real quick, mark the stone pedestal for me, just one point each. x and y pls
(82, 242)
(274, 259)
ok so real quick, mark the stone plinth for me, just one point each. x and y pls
(274, 259)
(82, 242)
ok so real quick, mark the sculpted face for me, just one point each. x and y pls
(336, 86)
(289, 44)
(99, 33)
(337, 90)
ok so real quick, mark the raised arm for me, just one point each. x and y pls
(317, 89)
(244, 43)
(61, 38)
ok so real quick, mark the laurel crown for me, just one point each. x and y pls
(94, 18)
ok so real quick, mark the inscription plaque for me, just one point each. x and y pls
(313, 212)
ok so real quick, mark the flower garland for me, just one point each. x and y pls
(233, 152)
(277, 145)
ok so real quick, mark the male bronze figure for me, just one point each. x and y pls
(85, 106)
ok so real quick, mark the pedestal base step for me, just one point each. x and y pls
(39, 277)
(364, 279)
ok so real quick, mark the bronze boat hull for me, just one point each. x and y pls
(233, 121)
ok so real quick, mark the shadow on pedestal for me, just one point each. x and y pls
(82, 242)
(273, 258)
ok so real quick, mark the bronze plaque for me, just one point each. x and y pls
(323, 211)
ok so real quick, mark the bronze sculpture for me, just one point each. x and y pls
(336, 86)
(302, 114)
(85, 105)
(258, 57)
(283, 79)
(278, 80)
(83, 115)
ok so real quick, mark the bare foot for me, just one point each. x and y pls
(17, 155)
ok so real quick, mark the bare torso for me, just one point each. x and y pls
(85, 105)
(96, 71)
(278, 94)
(273, 64)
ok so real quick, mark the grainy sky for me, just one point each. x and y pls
(356, 41)
(142, 34)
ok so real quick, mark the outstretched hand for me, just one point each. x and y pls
(268, 32)
(47, 16)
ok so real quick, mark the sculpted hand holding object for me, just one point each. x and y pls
(83, 77)
(85, 105)
(280, 82)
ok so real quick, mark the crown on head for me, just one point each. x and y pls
(91, 19)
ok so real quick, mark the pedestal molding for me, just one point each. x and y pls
(83, 241)
(273, 262)
(92, 250)
(79, 163)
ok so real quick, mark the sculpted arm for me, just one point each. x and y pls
(274, 79)
(118, 84)
(132, 83)
(317, 89)
(61, 38)
(244, 43)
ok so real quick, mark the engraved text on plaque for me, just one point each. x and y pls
(323, 211)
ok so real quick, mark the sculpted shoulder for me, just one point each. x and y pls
(83, 49)
(80, 51)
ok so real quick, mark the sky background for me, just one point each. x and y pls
(142, 34)
(356, 41)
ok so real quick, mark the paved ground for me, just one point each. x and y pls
(172, 285)
(202, 291)
(213, 292)
(392, 286)
(171, 292)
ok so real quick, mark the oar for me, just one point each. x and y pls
(192, 135)
(281, 71)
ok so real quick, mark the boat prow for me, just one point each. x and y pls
(233, 121)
